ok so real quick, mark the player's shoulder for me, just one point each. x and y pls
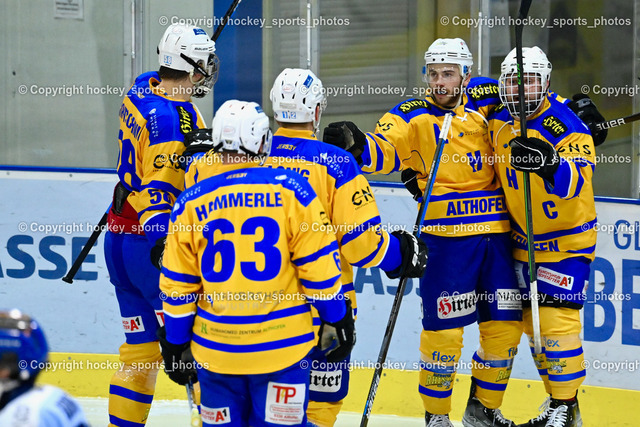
(558, 121)
(500, 113)
(483, 91)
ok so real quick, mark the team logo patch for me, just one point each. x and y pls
(483, 91)
(215, 416)
(326, 382)
(554, 278)
(285, 403)
(456, 305)
(186, 121)
(508, 299)
(132, 324)
(554, 126)
(413, 104)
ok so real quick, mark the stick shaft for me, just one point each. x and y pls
(533, 284)
(397, 301)
(85, 250)
(225, 19)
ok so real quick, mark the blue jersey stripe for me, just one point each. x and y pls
(180, 277)
(506, 363)
(257, 318)
(164, 186)
(565, 353)
(468, 219)
(254, 348)
(324, 284)
(468, 195)
(556, 234)
(181, 300)
(333, 246)
(359, 230)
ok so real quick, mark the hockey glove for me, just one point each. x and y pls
(337, 339)
(534, 155)
(347, 136)
(178, 360)
(584, 108)
(196, 141)
(410, 180)
(414, 256)
(157, 253)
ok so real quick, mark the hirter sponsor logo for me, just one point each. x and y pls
(456, 305)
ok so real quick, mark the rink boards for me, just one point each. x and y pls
(48, 216)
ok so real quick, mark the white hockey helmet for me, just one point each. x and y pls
(448, 51)
(534, 61)
(241, 127)
(295, 94)
(188, 48)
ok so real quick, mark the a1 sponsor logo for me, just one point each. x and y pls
(554, 278)
(132, 324)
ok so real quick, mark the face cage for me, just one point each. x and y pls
(210, 73)
(510, 99)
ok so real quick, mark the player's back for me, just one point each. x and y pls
(249, 224)
(45, 406)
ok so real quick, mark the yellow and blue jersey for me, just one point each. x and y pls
(564, 214)
(344, 192)
(466, 199)
(152, 129)
(247, 249)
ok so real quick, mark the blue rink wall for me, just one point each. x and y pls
(47, 217)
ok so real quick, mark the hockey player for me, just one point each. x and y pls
(559, 151)
(250, 251)
(466, 224)
(298, 100)
(23, 354)
(154, 117)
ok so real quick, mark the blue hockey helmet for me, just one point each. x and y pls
(23, 346)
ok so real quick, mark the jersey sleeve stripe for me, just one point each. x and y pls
(258, 318)
(333, 246)
(160, 207)
(321, 285)
(366, 260)
(254, 348)
(180, 277)
(181, 300)
(359, 230)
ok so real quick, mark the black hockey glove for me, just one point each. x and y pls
(196, 141)
(340, 335)
(410, 180)
(584, 108)
(347, 136)
(534, 155)
(178, 360)
(414, 256)
(157, 252)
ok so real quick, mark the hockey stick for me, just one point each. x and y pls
(193, 408)
(535, 311)
(395, 307)
(615, 122)
(225, 19)
(85, 250)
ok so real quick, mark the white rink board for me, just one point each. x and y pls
(83, 317)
